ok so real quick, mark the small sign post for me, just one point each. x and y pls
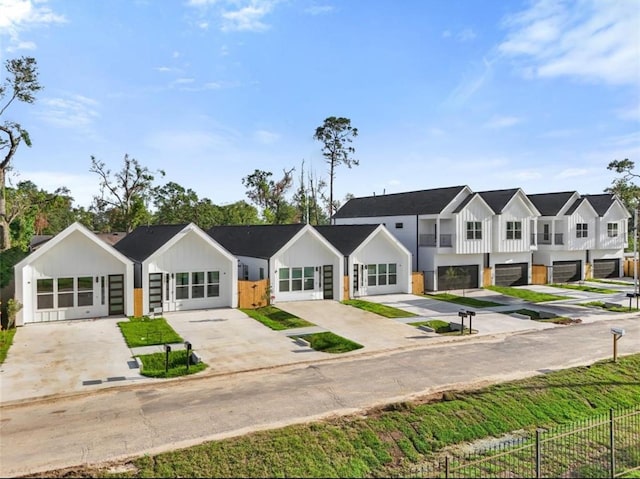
(617, 334)
(462, 314)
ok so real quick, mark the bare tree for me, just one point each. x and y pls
(336, 135)
(124, 192)
(20, 85)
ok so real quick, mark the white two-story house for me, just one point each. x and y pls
(575, 231)
(514, 228)
(454, 233)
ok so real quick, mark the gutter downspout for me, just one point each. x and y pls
(417, 245)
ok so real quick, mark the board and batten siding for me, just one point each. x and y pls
(516, 211)
(616, 214)
(381, 249)
(583, 214)
(76, 256)
(476, 210)
(407, 235)
(192, 253)
(307, 250)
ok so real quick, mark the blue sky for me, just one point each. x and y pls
(492, 94)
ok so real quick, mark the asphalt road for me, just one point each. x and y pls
(129, 421)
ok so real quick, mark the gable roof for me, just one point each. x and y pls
(550, 204)
(258, 241)
(498, 199)
(346, 238)
(601, 203)
(423, 202)
(576, 204)
(146, 240)
(64, 234)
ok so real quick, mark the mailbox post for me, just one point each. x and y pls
(187, 346)
(471, 314)
(167, 350)
(617, 334)
(462, 314)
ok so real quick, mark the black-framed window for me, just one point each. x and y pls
(197, 284)
(399, 226)
(474, 230)
(213, 284)
(612, 230)
(182, 285)
(382, 274)
(65, 293)
(85, 291)
(299, 278)
(514, 230)
(582, 230)
(45, 293)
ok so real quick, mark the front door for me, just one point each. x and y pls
(116, 294)
(155, 291)
(327, 281)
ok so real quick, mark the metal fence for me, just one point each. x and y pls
(607, 445)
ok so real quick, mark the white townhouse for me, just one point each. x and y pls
(375, 262)
(574, 231)
(299, 262)
(180, 267)
(74, 275)
(513, 234)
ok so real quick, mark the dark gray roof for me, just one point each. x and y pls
(257, 241)
(146, 240)
(422, 202)
(498, 199)
(346, 238)
(601, 203)
(549, 204)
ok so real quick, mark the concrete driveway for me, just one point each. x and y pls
(66, 357)
(229, 341)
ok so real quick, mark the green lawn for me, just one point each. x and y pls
(525, 294)
(437, 325)
(535, 315)
(381, 309)
(452, 298)
(328, 342)
(145, 331)
(615, 309)
(6, 339)
(154, 365)
(387, 440)
(276, 318)
(581, 287)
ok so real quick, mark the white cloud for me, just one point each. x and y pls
(585, 39)
(466, 35)
(266, 137)
(235, 15)
(18, 16)
(446, 34)
(631, 113)
(470, 85)
(525, 175)
(562, 133)
(189, 143)
(163, 69)
(572, 173)
(73, 111)
(436, 131)
(498, 122)
(319, 9)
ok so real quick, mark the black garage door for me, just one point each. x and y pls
(567, 271)
(606, 268)
(515, 274)
(457, 277)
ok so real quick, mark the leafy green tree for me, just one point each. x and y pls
(239, 213)
(270, 196)
(625, 188)
(123, 195)
(336, 136)
(21, 85)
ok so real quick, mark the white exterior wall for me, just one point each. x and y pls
(310, 250)
(75, 256)
(516, 211)
(191, 253)
(547, 257)
(254, 265)
(407, 235)
(378, 249)
(617, 215)
(583, 214)
(476, 210)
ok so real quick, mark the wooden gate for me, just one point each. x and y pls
(417, 282)
(539, 274)
(253, 294)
